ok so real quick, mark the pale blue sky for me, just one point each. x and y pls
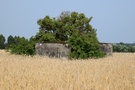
(113, 19)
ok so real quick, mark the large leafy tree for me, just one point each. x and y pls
(61, 28)
(2, 41)
(73, 28)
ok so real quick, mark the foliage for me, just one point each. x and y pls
(21, 46)
(73, 28)
(10, 41)
(63, 27)
(84, 46)
(46, 37)
(121, 47)
(2, 41)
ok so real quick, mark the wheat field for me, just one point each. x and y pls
(42, 73)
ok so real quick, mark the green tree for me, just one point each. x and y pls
(10, 40)
(84, 46)
(22, 46)
(121, 47)
(73, 28)
(2, 41)
(17, 40)
(61, 28)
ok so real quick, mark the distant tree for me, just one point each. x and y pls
(121, 47)
(17, 39)
(132, 48)
(22, 46)
(10, 41)
(2, 41)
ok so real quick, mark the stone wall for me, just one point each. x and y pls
(107, 48)
(52, 49)
(62, 50)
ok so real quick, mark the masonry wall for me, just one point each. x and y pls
(107, 48)
(52, 49)
(62, 50)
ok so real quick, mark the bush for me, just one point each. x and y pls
(121, 47)
(84, 47)
(22, 46)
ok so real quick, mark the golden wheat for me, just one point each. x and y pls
(42, 73)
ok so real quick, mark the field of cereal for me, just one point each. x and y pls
(42, 73)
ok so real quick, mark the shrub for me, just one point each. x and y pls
(84, 47)
(22, 46)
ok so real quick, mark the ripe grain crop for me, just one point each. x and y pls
(42, 73)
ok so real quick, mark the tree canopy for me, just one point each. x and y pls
(61, 28)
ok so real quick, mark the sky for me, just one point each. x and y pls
(114, 20)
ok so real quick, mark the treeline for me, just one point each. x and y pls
(123, 47)
(18, 45)
(23, 46)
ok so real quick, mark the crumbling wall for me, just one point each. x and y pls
(52, 49)
(62, 50)
(107, 48)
